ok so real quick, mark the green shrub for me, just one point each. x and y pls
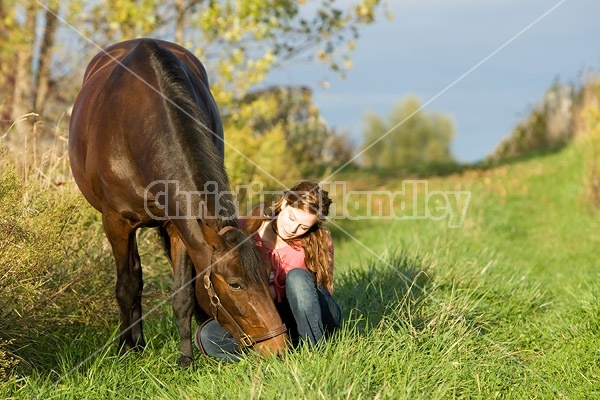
(592, 180)
(51, 261)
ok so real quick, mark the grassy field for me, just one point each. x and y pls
(505, 306)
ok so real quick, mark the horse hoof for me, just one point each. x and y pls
(185, 361)
(124, 348)
(131, 346)
(139, 346)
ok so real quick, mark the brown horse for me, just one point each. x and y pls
(146, 150)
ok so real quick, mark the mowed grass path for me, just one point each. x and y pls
(505, 306)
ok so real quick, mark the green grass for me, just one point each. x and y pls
(506, 306)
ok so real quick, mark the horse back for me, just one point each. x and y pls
(144, 113)
(112, 55)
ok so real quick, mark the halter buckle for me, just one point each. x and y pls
(247, 341)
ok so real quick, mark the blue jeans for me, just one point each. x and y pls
(310, 312)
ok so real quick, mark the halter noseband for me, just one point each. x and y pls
(216, 306)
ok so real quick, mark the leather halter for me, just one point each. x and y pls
(217, 308)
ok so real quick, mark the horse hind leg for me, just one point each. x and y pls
(183, 298)
(137, 332)
(128, 290)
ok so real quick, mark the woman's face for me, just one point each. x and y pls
(293, 223)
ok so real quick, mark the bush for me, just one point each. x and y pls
(283, 138)
(550, 125)
(50, 266)
(592, 179)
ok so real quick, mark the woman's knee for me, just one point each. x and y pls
(299, 279)
(301, 292)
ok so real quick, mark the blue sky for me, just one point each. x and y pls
(429, 48)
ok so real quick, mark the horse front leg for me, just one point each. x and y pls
(183, 296)
(129, 286)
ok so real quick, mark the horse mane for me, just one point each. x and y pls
(193, 121)
(199, 126)
(253, 262)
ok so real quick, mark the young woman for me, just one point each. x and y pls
(300, 251)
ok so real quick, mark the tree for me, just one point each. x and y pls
(25, 59)
(310, 142)
(409, 138)
(549, 126)
(239, 41)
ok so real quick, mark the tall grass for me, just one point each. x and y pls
(507, 306)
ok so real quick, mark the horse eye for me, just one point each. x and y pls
(235, 286)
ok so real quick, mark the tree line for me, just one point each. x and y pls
(45, 46)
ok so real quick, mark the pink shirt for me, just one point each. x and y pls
(282, 260)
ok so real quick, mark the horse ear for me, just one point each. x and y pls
(212, 237)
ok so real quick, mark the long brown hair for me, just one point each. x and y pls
(317, 244)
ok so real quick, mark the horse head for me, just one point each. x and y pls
(236, 286)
